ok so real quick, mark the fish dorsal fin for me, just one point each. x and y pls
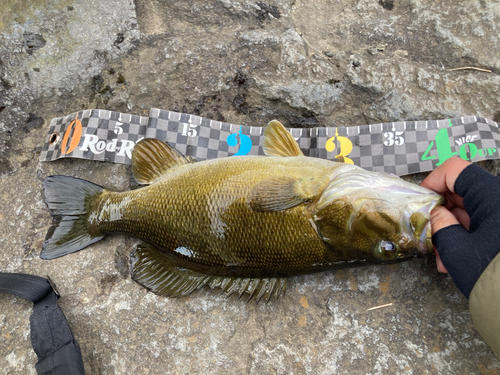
(279, 142)
(282, 193)
(159, 274)
(151, 158)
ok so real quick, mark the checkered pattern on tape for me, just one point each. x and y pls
(207, 139)
(102, 123)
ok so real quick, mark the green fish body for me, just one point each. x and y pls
(243, 223)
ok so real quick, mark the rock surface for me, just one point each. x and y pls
(321, 63)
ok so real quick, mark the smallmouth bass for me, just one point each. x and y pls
(243, 224)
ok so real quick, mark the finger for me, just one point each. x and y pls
(442, 218)
(453, 200)
(443, 178)
(462, 217)
(440, 266)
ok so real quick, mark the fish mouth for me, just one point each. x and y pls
(425, 241)
(425, 246)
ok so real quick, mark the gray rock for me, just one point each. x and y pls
(243, 62)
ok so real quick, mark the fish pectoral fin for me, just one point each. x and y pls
(282, 193)
(152, 158)
(279, 142)
(162, 276)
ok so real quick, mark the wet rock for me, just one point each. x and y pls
(32, 42)
(5, 166)
(33, 122)
(241, 79)
(387, 4)
(240, 103)
(266, 10)
(304, 122)
(97, 82)
(496, 116)
(121, 79)
(119, 40)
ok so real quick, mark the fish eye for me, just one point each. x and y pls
(386, 251)
(388, 246)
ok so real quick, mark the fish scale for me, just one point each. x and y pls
(195, 197)
(242, 224)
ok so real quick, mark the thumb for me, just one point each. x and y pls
(442, 218)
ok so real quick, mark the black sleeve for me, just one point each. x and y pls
(466, 254)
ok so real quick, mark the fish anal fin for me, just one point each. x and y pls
(160, 275)
(279, 142)
(152, 158)
(282, 193)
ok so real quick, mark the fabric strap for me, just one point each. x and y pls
(51, 337)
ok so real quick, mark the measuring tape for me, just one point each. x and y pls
(400, 148)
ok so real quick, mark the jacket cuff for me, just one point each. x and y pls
(484, 305)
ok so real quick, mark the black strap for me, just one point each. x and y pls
(51, 337)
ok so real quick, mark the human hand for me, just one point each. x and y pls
(442, 180)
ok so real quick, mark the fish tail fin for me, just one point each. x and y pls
(68, 200)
